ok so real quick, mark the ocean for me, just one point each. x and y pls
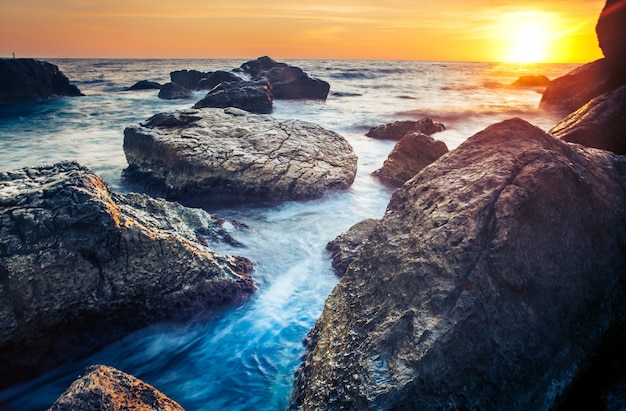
(244, 357)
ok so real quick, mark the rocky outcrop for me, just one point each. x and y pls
(217, 77)
(611, 32)
(601, 123)
(538, 81)
(81, 266)
(105, 388)
(409, 156)
(288, 82)
(343, 248)
(492, 280)
(189, 79)
(30, 79)
(173, 91)
(252, 96)
(145, 85)
(398, 129)
(229, 154)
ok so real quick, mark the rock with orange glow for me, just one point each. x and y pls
(105, 388)
(538, 81)
(81, 266)
(494, 280)
(611, 31)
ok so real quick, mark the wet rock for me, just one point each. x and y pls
(611, 32)
(398, 129)
(216, 78)
(105, 388)
(601, 123)
(81, 266)
(252, 96)
(145, 85)
(30, 79)
(490, 282)
(288, 82)
(173, 91)
(343, 248)
(189, 79)
(531, 81)
(409, 156)
(230, 154)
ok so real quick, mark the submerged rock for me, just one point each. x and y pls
(601, 123)
(398, 129)
(409, 156)
(81, 266)
(490, 282)
(230, 154)
(252, 96)
(145, 85)
(30, 79)
(173, 91)
(105, 388)
(531, 81)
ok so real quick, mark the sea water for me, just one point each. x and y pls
(244, 357)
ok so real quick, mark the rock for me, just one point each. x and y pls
(488, 284)
(145, 85)
(611, 32)
(601, 123)
(189, 79)
(252, 96)
(173, 91)
(216, 78)
(230, 154)
(288, 82)
(81, 266)
(398, 129)
(409, 156)
(105, 388)
(30, 79)
(343, 248)
(531, 81)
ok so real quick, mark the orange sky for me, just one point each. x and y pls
(451, 30)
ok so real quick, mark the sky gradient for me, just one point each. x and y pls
(441, 30)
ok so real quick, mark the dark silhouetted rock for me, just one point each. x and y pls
(230, 154)
(288, 82)
(145, 85)
(173, 91)
(601, 123)
(398, 129)
(81, 266)
(101, 388)
(343, 248)
(30, 79)
(611, 30)
(252, 96)
(531, 81)
(214, 79)
(489, 284)
(189, 79)
(409, 156)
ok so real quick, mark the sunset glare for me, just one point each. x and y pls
(448, 30)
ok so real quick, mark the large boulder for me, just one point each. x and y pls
(174, 91)
(492, 280)
(601, 123)
(398, 129)
(30, 79)
(217, 77)
(81, 266)
(611, 30)
(230, 154)
(288, 82)
(105, 388)
(409, 156)
(252, 96)
(343, 248)
(189, 79)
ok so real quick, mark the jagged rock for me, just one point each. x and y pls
(611, 31)
(189, 79)
(145, 85)
(81, 266)
(343, 248)
(409, 156)
(490, 283)
(398, 129)
(173, 91)
(105, 388)
(216, 78)
(531, 81)
(601, 123)
(288, 82)
(252, 96)
(230, 154)
(30, 79)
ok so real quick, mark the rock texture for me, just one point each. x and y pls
(288, 82)
(106, 388)
(601, 123)
(80, 266)
(173, 91)
(409, 156)
(611, 31)
(228, 153)
(490, 283)
(343, 248)
(398, 129)
(30, 79)
(252, 96)
(145, 85)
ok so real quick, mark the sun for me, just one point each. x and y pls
(529, 43)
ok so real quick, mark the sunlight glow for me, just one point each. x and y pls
(530, 41)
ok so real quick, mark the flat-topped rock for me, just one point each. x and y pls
(252, 96)
(398, 129)
(230, 154)
(145, 85)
